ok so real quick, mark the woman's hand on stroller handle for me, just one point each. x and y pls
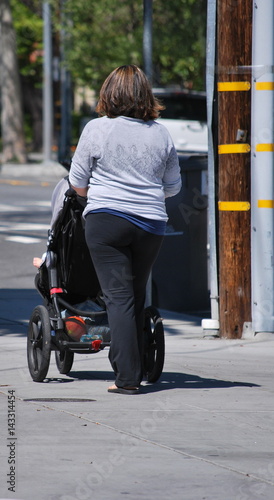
(81, 191)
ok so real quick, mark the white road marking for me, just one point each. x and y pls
(10, 208)
(25, 207)
(38, 203)
(23, 239)
(22, 226)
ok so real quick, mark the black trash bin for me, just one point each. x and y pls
(180, 273)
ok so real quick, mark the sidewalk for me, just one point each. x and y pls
(204, 431)
(36, 168)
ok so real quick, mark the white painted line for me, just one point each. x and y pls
(25, 207)
(39, 204)
(24, 227)
(23, 239)
(10, 208)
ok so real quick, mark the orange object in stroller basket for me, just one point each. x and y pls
(75, 327)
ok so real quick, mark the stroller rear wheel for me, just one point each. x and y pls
(154, 346)
(39, 344)
(64, 361)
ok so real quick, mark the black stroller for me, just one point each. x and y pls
(68, 284)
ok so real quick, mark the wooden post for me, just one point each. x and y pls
(234, 39)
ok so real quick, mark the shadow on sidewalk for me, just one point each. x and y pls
(175, 380)
(16, 306)
(167, 381)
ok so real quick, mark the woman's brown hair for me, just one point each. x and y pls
(127, 92)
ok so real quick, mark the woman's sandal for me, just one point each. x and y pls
(123, 390)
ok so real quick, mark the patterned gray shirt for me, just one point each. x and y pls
(129, 165)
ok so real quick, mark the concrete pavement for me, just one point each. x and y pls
(35, 168)
(203, 431)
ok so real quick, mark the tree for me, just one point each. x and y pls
(100, 36)
(179, 39)
(106, 34)
(11, 114)
(28, 25)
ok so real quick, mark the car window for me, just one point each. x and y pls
(181, 106)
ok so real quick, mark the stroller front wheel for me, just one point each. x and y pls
(39, 344)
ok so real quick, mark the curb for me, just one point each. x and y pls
(42, 170)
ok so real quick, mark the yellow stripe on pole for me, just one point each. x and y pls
(265, 147)
(233, 148)
(265, 203)
(233, 86)
(229, 206)
(264, 86)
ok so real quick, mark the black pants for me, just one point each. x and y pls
(123, 255)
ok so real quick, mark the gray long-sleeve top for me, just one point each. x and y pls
(129, 165)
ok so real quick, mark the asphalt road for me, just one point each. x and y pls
(25, 218)
(25, 215)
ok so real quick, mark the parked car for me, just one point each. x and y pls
(185, 118)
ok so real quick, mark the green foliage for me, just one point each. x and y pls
(179, 38)
(28, 25)
(102, 35)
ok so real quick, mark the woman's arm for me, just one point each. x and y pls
(80, 191)
(81, 164)
(172, 181)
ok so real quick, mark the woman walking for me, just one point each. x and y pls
(126, 165)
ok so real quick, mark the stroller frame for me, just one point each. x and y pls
(57, 284)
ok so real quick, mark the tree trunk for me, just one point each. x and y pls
(12, 115)
(33, 105)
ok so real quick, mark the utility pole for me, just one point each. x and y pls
(234, 43)
(147, 39)
(262, 171)
(47, 83)
(64, 153)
